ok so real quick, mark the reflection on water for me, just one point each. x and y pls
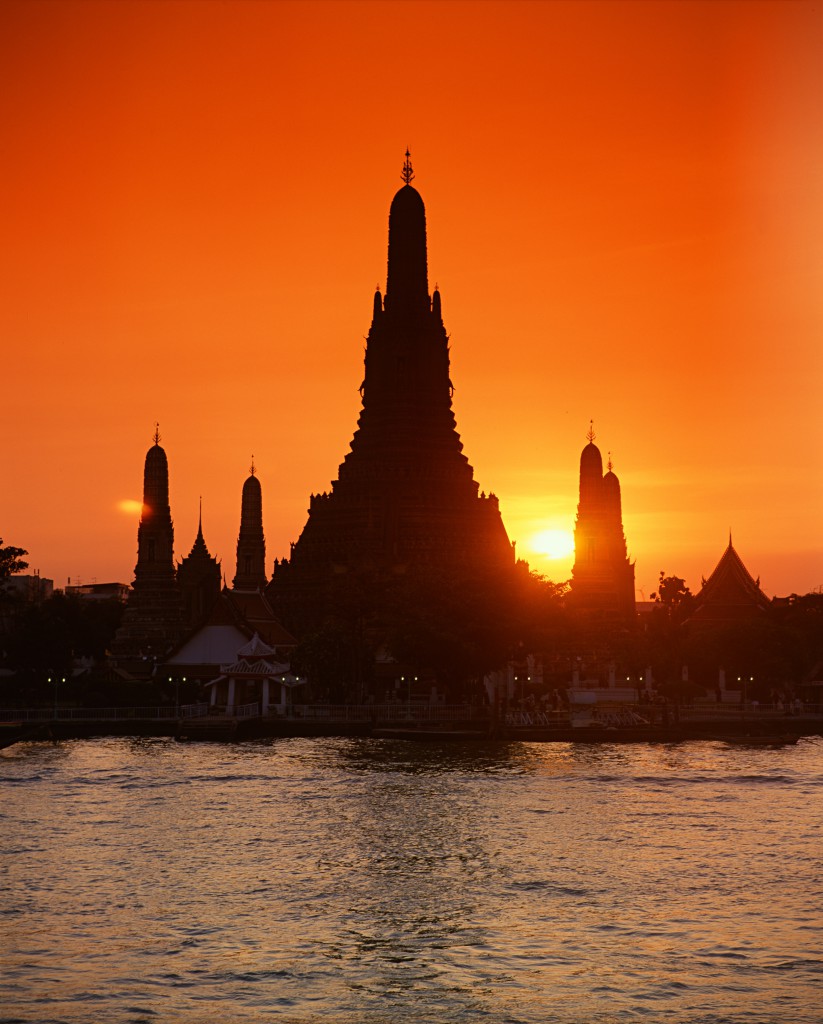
(368, 880)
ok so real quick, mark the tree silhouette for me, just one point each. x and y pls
(11, 561)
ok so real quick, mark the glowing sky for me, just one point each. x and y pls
(625, 217)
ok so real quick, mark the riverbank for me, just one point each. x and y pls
(760, 731)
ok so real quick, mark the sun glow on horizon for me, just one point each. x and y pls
(552, 544)
(130, 506)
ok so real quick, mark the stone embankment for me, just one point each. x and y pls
(754, 725)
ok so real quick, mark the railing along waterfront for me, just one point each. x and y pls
(116, 714)
(399, 713)
(536, 719)
(394, 712)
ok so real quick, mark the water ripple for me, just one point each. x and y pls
(365, 881)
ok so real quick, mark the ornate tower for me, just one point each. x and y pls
(405, 494)
(152, 620)
(251, 544)
(198, 576)
(602, 577)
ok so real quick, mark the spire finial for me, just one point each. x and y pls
(408, 173)
(591, 434)
(609, 462)
(252, 470)
(200, 517)
(157, 433)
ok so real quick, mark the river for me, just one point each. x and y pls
(361, 881)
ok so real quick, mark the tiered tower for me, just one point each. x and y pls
(405, 494)
(603, 576)
(251, 542)
(152, 621)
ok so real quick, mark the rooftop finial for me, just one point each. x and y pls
(157, 433)
(609, 463)
(408, 173)
(591, 434)
(252, 471)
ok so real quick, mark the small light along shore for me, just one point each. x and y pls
(753, 726)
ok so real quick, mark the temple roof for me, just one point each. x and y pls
(212, 644)
(255, 648)
(255, 610)
(199, 551)
(237, 623)
(730, 592)
(260, 668)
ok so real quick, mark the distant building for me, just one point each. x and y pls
(99, 591)
(602, 585)
(33, 589)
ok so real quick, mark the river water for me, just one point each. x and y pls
(372, 881)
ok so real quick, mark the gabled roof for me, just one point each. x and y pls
(233, 623)
(255, 648)
(258, 668)
(211, 644)
(255, 610)
(730, 593)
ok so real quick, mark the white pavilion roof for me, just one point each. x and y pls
(211, 645)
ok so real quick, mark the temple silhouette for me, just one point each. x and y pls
(730, 594)
(153, 619)
(405, 508)
(602, 585)
(405, 493)
(182, 615)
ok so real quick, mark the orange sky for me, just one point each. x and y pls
(625, 218)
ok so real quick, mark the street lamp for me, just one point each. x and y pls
(56, 681)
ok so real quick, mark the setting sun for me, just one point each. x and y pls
(552, 543)
(130, 506)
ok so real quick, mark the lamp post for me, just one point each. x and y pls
(56, 681)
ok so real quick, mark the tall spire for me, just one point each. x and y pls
(407, 282)
(405, 495)
(603, 575)
(408, 173)
(251, 542)
(152, 619)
